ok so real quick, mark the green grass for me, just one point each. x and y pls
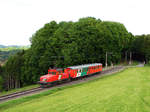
(133, 63)
(127, 91)
(147, 65)
(18, 90)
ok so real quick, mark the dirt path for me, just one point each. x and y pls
(140, 65)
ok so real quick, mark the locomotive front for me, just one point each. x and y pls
(49, 78)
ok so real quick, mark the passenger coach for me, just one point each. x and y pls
(82, 70)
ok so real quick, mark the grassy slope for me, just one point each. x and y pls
(128, 91)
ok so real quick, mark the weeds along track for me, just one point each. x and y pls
(106, 71)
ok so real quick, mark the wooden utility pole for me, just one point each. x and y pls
(112, 64)
(106, 60)
(130, 58)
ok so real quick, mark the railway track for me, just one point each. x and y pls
(18, 94)
(75, 81)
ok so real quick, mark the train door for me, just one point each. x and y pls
(59, 75)
(79, 72)
(84, 71)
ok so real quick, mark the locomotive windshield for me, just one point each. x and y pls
(53, 73)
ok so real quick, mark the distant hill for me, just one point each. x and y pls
(2, 46)
(15, 46)
(7, 51)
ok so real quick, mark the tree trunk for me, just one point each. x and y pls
(126, 56)
(16, 83)
(8, 81)
(13, 82)
(130, 58)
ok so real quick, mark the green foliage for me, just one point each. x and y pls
(12, 71)
(141, 47)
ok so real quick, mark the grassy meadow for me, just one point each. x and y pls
(127, 91)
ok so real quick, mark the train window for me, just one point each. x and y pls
(53, 73)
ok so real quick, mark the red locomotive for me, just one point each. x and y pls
(56, 75)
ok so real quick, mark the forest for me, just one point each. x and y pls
(70, 43)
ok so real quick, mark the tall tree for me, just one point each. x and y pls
(12, 71)
(1, 79)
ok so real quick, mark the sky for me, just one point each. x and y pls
(20, 19)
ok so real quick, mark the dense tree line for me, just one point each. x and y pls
(141, 48)
(65, 44)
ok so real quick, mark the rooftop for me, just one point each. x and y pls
(84, 66)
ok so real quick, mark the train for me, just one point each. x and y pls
(56, 75)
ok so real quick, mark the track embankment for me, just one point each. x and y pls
(106, 71)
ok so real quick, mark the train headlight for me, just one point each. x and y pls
(44, 79)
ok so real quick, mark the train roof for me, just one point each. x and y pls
(84, 66)
(57, 69)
